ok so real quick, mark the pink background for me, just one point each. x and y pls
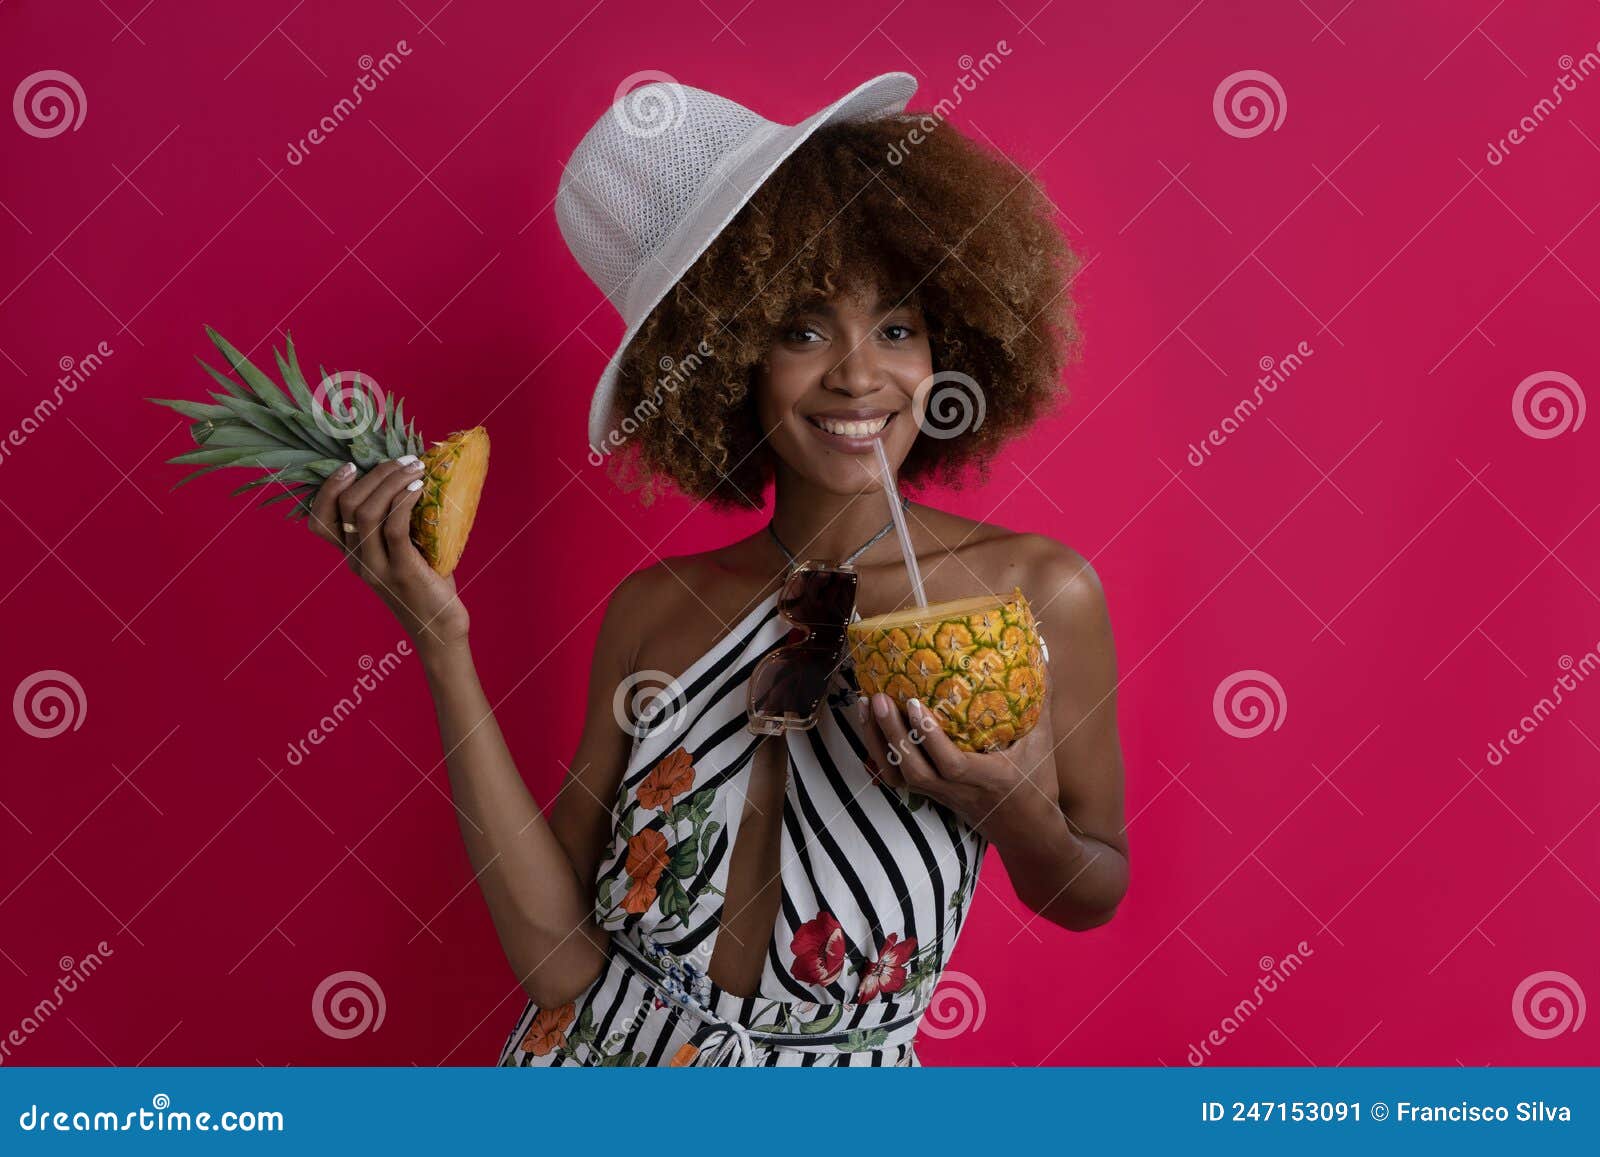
(1381, 537)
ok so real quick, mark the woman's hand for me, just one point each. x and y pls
(368, 517)
(987, 790)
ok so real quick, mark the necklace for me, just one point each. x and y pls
(857, 553)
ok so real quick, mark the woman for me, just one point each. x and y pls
(700, 894)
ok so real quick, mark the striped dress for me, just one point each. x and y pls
(876, 883)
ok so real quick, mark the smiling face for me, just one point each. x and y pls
(838, 377)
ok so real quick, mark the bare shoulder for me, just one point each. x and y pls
(663, 616)
(1051, 573)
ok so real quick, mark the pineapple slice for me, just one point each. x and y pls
(976, 663)
(453, 476)
(303, 441)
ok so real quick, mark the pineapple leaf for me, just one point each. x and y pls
(265, 388)
(191, 477)
(391, 432)
(294, 380)
(273, 428)
(294, 363)
(201, 410)
(248, 456)
(311, 474)
(233, 388)
(301, 508)
(315, 436)
(240, 437)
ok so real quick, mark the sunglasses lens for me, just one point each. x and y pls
(819, 598)
(787, 686)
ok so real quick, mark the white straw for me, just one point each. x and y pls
(886, 476)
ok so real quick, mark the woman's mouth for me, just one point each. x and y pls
(851, 433)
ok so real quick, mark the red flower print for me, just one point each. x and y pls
(670, 778)
(548, 1030)
(888, 972)
(647, 859)
(818, 948)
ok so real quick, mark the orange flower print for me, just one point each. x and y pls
(669, 779)
(647, 859)
(548, 1033)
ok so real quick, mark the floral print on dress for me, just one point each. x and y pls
(683, 979)
(548, 1033)
(818, 948)
(669, 779)
(666, 853)
(647, 859)
(661, 880)
(888, 972)
(821, 951)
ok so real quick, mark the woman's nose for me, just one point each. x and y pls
(857, 373)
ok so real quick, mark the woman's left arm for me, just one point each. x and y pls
(1052, 802)
(1060, 829)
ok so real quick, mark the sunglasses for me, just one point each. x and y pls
(787, 687)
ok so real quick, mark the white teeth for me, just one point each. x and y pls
(852, 429)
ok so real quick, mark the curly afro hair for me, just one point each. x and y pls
(942, 223)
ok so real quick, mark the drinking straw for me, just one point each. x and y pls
(886, 476)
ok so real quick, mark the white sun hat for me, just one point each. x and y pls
(660, 175)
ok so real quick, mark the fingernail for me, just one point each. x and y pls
(861, 710)
(345, 469)
(415, 484)
(881, 705)
(407, 459)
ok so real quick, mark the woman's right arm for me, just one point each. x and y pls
(536, 875)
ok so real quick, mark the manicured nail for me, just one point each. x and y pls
(407, 459)
(347, 468)
(861, 710)
(919, 714)
(882, 706)
(414, 484)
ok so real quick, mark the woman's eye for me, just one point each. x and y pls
(793, 334)
(906, 328)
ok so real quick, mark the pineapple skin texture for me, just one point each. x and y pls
(982, 674)
(449, 499)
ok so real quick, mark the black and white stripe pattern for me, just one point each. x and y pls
(879, 862)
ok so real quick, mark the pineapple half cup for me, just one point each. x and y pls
(976, 663)
(302, 437)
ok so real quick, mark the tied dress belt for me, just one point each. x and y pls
(721, 1042)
